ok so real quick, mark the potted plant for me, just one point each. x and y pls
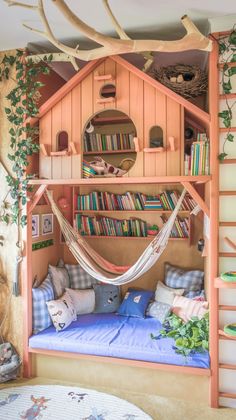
(152, 230)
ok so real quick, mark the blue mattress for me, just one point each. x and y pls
(116, 336)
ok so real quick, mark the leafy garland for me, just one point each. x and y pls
(189, 337)
(23, 100)
(227, 52)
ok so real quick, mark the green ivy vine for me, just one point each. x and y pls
(227, 52)
(23, 100)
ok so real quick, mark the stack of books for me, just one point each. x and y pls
(198, 163)
(103, 200)
(88, 172)
(180, 228)
(107, 226)
(95, 142)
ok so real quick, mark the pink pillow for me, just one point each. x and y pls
(186, 308)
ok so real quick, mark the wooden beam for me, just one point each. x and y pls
(38, 194)
(190, 188)
(230, 243)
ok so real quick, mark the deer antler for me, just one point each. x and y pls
(194, 39)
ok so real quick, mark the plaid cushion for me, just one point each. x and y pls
(79, 279)
(40, 295)
(198, 295)
(190, 280)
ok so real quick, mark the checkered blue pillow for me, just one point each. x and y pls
(196, 295)
(41, 295)
(189, 280)
(79, 279)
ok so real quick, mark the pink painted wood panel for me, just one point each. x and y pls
(149, 121)
(76, 131)
(97, 85)
(56, 128)
(173, 130)
(122, 89)
(66, 116)
(110, 68)
(136, 115)
(45, 136)
(160, 158)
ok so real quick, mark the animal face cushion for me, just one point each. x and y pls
(62, 311)
(103, 168)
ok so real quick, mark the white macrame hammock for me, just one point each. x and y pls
(103, 270)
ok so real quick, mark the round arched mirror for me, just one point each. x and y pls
(108, 144)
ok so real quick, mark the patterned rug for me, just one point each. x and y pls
(54, 402)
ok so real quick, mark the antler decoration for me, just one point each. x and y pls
(193, 40)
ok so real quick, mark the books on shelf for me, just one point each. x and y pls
(198, 162)
(96, 142)
(103, 200)
(180, 228)
(107, 226)
(88, 171)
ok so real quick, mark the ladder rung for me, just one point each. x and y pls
(227, 192)
(227, 395)
(228, 161)
(225, 336)
(227, 224)
(219, 283)
(225, 129)
(229, 64)
(227, 308)
(227, 254)
(228, 96)
(227, 366)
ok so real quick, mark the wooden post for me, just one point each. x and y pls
(214, 224)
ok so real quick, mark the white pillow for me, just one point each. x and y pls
(83, 300)
(187, 308)
(62, 311)
(166, 294)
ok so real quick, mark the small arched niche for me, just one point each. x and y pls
(108, 144)
(62, 141)
(108, 91)
(155, 137)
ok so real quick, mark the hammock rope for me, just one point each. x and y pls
(103, 270)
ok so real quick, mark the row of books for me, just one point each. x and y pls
(198, 162)
(107, 226)
(180, 228)
(103, 200)
(95, 142)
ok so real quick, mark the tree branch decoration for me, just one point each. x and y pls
(193, 39)
(227, 52)
(23, 100)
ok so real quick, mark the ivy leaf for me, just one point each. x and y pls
(232, 38)
(233, 59)
(222, 156)
(227, 86)
(222, 48)
(7, 111)
(232, 71)
(230, 137)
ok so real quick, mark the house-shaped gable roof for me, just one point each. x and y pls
(88, 68)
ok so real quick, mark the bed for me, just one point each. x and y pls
(113, 335)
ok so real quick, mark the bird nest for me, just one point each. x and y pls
(187, 81)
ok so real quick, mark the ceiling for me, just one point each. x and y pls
(141, 18)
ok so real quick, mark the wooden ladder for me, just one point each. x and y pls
(216, 333)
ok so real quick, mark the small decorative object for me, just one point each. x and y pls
(188, 133)
(200, 245)
(104, 168)
(230, 276)
(187, 81)
(35, 225)
(63, 203)
(126, 164)
(230, 329)
(47, 224)
(152, 230)
(42, 244)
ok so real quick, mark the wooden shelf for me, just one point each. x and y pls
(218, 283)
(130, 211)
(109, 152)
(200, 179)
(129, 237)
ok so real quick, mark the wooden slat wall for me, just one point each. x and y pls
(66, 125)
(136, 115)
(160, 110)
(149, 121)
(76, 131)
(56, 127)
(45, 136)
(173, 119)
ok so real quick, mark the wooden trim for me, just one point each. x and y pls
(222, 193)
(214, 223)
(192, 109)
(227, 308)
(225, 130)
(218, 283)
(227, 254)
(131, 237)
(189, 187)
(103, 78)
(160, 211)
(154, 149)
(38, 194)
(229, 64)
(228, 161)
(228, 96)
(227, 366)
(227, 224)
(109, 100)
(109, 152)
(230, 243)
(124, 180)
(225, 336)
(227, 395)
(127, 362)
